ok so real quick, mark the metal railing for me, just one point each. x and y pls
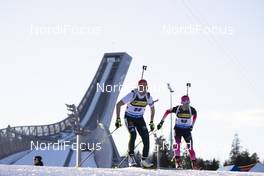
(39, 130)
(16, 139)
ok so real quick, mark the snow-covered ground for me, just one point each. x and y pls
(15, 170)
(14, 157)
(50, 158)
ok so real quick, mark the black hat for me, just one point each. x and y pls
(38, 157)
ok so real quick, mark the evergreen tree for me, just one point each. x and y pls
(164, 153)
(238, 157)
(235, 151)
(215, 164)
(254, 158)
(201, 163)
(208, 164)
(243, 159)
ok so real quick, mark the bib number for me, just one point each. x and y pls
(137, 109)
(183, 121)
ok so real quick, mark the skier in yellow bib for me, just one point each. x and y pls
(136, 102)
(185, 118)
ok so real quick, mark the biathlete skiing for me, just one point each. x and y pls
(136, 102)
(185, 119)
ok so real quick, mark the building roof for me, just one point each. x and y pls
(229, 168)
(257, 168)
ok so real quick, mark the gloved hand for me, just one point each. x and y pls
(151, 125)
(160, 125)
(118, 123)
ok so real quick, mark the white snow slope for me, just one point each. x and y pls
(15, 170)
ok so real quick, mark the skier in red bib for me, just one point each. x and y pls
(185, 119)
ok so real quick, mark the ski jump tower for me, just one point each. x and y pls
(96, 107)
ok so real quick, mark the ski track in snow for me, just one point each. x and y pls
(22, 170)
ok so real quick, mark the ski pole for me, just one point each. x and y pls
(90, 154)
(143, 69)
(155, 101)
(188, 85)
(171, 135)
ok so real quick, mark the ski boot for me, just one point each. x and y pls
(145, 163)
(131, 161)
(195, 165)
(178, 162)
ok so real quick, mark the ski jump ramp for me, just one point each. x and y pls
(95, 113)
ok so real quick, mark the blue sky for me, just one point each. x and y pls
(42, 70)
